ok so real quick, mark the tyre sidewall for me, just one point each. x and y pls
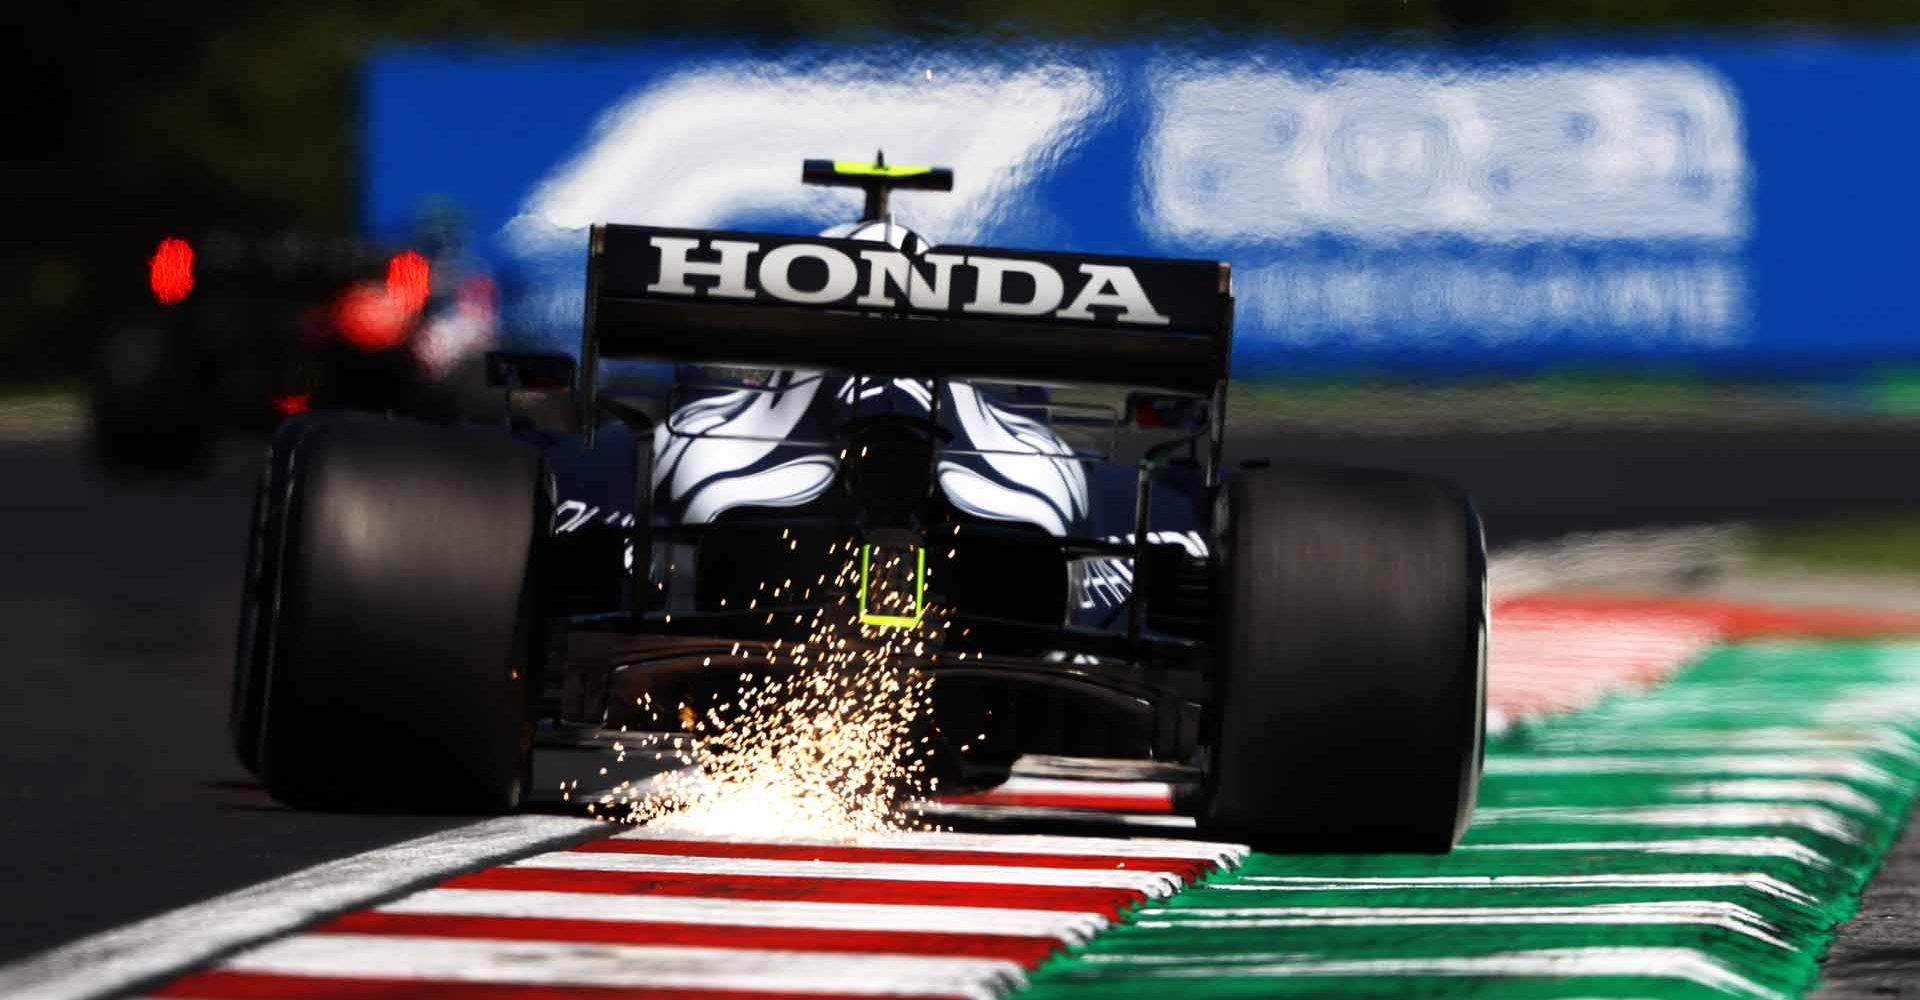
(1350, 693)
(398, 659)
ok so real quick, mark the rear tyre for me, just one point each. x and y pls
(386, 637)
(1352, 689)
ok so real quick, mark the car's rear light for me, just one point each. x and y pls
(170, 270)
(370, 319)
(290, 403)
(409, 280)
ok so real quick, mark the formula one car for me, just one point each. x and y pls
(1300, 649)
(239, 330)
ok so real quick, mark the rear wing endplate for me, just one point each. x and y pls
(775, 301)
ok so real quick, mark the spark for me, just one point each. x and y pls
(827, 744)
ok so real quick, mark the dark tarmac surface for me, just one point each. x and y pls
(121, 798)
(1538, 485)
(117, 602)
(1877, 955)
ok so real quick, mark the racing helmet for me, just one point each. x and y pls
(880, 231)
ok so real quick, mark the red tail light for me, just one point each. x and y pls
(409, 280)
(170, 271)
(370, 319)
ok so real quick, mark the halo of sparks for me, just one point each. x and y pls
(830, 736)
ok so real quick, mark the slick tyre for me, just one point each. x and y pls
(1351, 696)
(386, 635)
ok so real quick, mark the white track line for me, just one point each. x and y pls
(1685, 964)
(1781, 848)
(1785, 739)
(1154, 884)
(1812, 818)
(1832, 793)
(1755, 881)
(1067, 926)
(1588, 558)
(1728, 916)
(117, 959)
(1823, 765)
(556, 963)
(1702, 913)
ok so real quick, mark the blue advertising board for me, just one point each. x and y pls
(1720, 205)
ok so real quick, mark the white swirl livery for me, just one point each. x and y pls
(1026, 472)
(713, 454)
(731, 449)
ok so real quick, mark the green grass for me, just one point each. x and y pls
(1570, 400)
(42, 413)
(1889, 544)
(1897, 391)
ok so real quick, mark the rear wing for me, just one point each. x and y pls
(773, 301)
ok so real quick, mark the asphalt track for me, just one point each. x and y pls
(118, 601)
(123, 801)
(121, 798)
(1700, 838)
(1539, 484)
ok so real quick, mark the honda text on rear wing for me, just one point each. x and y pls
(734, 298)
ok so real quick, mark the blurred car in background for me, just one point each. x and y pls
(240, 330)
